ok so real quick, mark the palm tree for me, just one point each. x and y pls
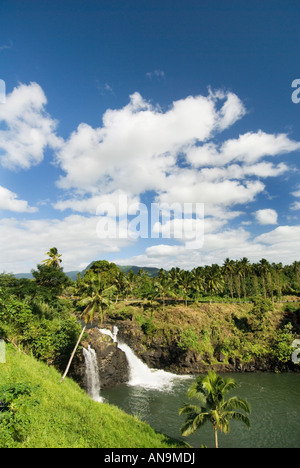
(96, 298)
(198, 281)
(119, 282)
(163, 286)
(184, 282)
(54, 259)
(214, 281)
(244, 267)
(264, 267)
(228, 268)
(210, 391)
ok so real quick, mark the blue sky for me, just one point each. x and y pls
(165, 102)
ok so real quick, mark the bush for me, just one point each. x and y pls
(15, 399)
(188, 339)
(48, 335)
(282, 347)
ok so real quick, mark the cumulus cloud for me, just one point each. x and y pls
(295, 206)
(118, 202)
(267, 216)
(9, 201)
(23, 243)
(138, 145)
(141, 148)
(249, 148)
(170, 156)
(25, 128)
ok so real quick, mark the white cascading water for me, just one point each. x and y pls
(92, 373)
(140, 374)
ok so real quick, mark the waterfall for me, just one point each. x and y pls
(92, 373)
(140, 374)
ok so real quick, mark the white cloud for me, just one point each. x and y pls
(296, 194)
(138, 145)
(158, 74)
(163, 250)
(266, 216)
(28, 129)
(119, 201)
(191, 186)
(248, 149)
(9, 201)
(23, 243)
(285, 238)
(295, 206)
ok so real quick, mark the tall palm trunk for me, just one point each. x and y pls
(216, 437)
(73, 354)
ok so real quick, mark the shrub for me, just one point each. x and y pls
(188, 339)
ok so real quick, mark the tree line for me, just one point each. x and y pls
(234, 280)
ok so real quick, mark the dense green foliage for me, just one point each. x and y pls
(48, 331)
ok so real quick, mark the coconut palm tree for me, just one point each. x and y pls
(184, 282)
(214, 281)
(244, 268)
(96, 297)
(228, 269)
(54, 259)
(210, 391)
(163, 286)
(198, 282)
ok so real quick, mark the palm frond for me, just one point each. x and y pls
(237, 416)
(195, 409)
(234, 403)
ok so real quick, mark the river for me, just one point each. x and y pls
(275, 411)
(155, 397)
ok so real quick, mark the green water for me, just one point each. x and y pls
(275, 411)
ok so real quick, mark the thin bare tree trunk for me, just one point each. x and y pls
(216, 437)
(73, 354)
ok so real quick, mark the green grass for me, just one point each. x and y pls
(66, 417)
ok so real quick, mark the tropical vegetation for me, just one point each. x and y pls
(237, 312)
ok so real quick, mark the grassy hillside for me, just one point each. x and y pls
(63, 416)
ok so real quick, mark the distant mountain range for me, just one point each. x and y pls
(125, 268)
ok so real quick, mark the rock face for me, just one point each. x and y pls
(112, 362)
(160, 352)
